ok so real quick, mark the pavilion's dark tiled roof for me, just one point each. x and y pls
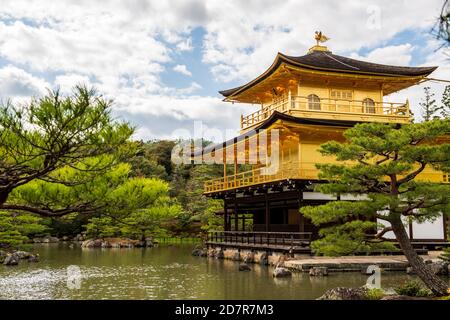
(326, 61)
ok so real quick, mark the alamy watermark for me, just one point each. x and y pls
(74, 277)
(374, 280)
(254, 147)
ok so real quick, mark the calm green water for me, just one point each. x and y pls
(164, 272)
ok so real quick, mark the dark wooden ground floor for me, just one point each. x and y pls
(269, 217)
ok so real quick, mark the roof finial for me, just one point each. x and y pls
(320, 37)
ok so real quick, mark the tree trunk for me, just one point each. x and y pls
(433, 282)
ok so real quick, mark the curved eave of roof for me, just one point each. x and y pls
(326, 61)
(271, 120)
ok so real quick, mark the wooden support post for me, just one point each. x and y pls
(225, 214)
(301, 220)
(235, 163)
(267, 212)
(236, 219)
(224, 159)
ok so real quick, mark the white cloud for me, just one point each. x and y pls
(123, 48)
(181, 68)
(415, 94)
(17, 83)
(242, 45)
(67, 81)
(400, 55)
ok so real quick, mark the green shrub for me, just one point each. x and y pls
(374, 294)
(413, 289)
(445, 255)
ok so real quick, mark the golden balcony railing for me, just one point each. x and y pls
(259, 176)
(306, 170)
(339, 109)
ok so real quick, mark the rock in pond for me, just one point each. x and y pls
(92, 243)
(318, 271)
(50, 240)
(199, 251)
(11, 260)
(149, 243)
(280, 272)
(342, 293)
(22, 254)
(439, 267)
(219, 254)
(264, 259)
(249, 257)
(236, 256)
(33, 258)
(244, 267)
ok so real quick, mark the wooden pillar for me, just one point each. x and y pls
(225, 215)
(224, 159)
(235, 163)
(243, 222)
(236, 219)
(301, 227)
(267, 212)
(411, 233)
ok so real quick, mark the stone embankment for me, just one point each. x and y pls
(117, 243)
(320, 266)
(13, 258)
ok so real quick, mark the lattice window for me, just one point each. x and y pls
(313, 102)
(369, 105)
(341, 94)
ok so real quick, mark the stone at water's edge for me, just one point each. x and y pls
(342, 293)
(244, 267)
(219, 254)
(33, 258)
(46, 239)
(199, 251)
(280, 272)
(249, 257)
(236, 256)
(110, 243)
(264, 259)
(439, 267)
(11, 260)
(318, 271)
(22, 254)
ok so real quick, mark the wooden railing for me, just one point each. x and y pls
(257, 176)
(345, 108)
(255, 238)
(304, 170)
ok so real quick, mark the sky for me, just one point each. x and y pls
(163, 62)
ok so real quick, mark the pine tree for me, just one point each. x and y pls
(382, 162)
(445, 111)
(430, 109)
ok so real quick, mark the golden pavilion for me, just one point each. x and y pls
(304, 101)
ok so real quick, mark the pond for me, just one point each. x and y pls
(163, 272)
